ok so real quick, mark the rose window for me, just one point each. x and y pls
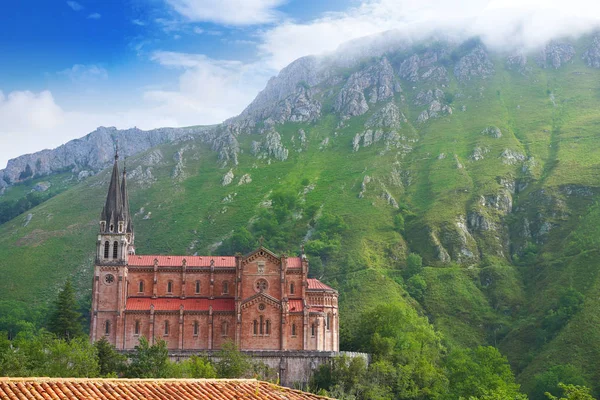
(261, 285)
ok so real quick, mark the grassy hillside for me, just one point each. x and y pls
(511, 273)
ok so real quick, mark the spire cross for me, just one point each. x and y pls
(116, 149)
(261, 240)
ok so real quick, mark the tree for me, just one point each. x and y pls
(65, 320)
(550, 380)
(232, 363)
(482, 372)
(76, 358)
(572, 392)
(149, 361)
(414, 265)
(416, 287)
(110, 361)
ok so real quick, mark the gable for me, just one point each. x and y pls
(261, 298)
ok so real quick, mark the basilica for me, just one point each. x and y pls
(259, 301)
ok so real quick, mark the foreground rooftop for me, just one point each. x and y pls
(147, 389)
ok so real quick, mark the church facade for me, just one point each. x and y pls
(259, 301)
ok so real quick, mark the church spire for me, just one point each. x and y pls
(112, 213)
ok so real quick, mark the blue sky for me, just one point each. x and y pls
(69, 66)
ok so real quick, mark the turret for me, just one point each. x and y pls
(127, 214)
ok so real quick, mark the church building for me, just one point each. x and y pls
(260, 301)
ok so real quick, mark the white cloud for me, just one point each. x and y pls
(198, 30)
(501, 23)
(138, 22)
(94, 16)
(209, 90)
(228, 12)
(75, 5)
(80, 73)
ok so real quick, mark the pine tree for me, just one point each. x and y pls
(65, 321)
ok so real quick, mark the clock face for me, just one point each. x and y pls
(109, 278)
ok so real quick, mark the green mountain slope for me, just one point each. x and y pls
(495, 189)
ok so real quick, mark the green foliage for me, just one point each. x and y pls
(414, 265)
(110, 361)
(14, 208)
(65, 320)
(550, 381)
(232, 363)
(241, 241)
(572, 392)
(416, 287)
(149, 361)
(399, 223)
(569, 303)
(481, 373)
(42, 354)
(193, 368)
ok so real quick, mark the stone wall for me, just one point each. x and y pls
(295, 368)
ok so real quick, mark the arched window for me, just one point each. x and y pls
(292, 288)
(107, 327)
(112, 227)
(268, 328)
(255, 327)
(328, 320)
(115, 249)
(197, 287)
(166, 328)
(141, 287)
(293, 329)
(137, 328)
(106, 248)
(196, 328)
(225, 287)
(261, 325)
(224, 328)
(170, 287)
(312, 330)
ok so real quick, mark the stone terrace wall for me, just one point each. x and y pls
(295, 367)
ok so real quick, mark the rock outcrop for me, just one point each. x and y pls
(475, 64)
(370, 85)
(425, 67)
(592, 55)
(270, 146)
(555, 55)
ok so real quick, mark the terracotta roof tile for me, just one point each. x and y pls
(294, 262)
(173, 304)
(177, 261)
(296, 305)
(148, 389)
(317, 284)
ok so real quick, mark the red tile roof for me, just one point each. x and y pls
(294, 262)
(296, 305)
(317, 284)
(177, 261)
(173, 304)
(147, 389)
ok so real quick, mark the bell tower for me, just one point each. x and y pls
(114, 245)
